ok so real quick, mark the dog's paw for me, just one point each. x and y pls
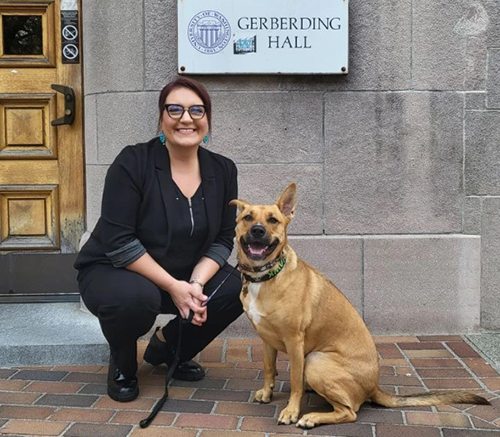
(308, 421)
(263, 396)
(288, 415)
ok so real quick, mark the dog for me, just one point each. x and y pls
(295, 309)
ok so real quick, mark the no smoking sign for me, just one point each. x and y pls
(70, 32)
(70, 38)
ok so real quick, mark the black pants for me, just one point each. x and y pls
(127, 304)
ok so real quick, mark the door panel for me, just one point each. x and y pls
(25, 121)
(41, 165)
(29, 217)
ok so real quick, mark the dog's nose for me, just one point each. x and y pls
(258, 231)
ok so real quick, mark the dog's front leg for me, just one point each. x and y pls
(265, 394)
(295, 351)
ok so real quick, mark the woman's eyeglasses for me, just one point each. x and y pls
(176, 112)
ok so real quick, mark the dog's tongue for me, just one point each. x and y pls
(257, 249)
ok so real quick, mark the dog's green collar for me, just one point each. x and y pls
(269, 275)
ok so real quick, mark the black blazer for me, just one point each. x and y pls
(139, 201)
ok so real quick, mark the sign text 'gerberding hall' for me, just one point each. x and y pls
(223, 36)
(289, 23)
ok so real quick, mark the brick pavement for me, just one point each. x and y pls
(71, 401)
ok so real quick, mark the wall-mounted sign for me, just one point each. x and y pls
(70, 36)
(263, 36)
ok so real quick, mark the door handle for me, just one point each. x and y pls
(69, 105)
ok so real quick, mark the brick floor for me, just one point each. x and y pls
(72, 401)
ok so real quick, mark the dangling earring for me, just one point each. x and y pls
(205, 140)
(162, 138)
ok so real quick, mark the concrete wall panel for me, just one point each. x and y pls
(493, 83)
(90, 129)
(263, 184)
(490, 279)
(475, 100)
(422, 285)
(493, 12)
(449, 48)
(482, 154)
(161, 42)
(340, 259)
(393, 162)
(113, 45)
(124, 119)
(472, 215)
(95, 184)
(269, 127)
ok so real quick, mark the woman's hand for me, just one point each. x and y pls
(199, 317)
(188, 297)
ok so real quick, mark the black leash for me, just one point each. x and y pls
(171, 369)
(159, 404)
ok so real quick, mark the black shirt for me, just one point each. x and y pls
(189, 233)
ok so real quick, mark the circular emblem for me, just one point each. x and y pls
(209, 32)
(70, 51)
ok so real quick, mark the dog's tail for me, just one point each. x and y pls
(427, 398)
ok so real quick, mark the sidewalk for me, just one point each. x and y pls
(71, 401)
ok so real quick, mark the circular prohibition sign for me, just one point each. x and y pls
(70, 51)
(70, 32)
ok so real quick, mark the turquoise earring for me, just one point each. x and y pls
(205, 140)
(162, 138)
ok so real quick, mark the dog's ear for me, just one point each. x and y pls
(288, 200)
(239, 203)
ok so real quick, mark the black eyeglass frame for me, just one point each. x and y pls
(167, 105)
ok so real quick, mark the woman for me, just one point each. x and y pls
(162, 242)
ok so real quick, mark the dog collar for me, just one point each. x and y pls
(261, 268)
(269, 275)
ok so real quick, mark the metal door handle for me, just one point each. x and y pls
(69, 105)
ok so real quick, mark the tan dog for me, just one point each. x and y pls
(297, 310)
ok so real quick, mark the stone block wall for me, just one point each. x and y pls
(397, 163)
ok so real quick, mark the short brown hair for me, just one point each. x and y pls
(193, 85)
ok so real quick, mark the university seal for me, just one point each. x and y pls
(209, 32)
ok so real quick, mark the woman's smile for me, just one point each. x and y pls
(184, 131)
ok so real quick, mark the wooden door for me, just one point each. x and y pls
(41, 165)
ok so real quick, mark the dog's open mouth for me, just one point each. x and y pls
(257, 250)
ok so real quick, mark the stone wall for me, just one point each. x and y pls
(397, 163)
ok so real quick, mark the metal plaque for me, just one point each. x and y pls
(263, 36)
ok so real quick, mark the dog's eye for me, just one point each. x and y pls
(248, 218)
(272, 220)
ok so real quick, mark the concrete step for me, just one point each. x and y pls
(488, 345)
(64, 334)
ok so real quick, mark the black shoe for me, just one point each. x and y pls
(159, 352)
(120, 388)
(189, 371)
